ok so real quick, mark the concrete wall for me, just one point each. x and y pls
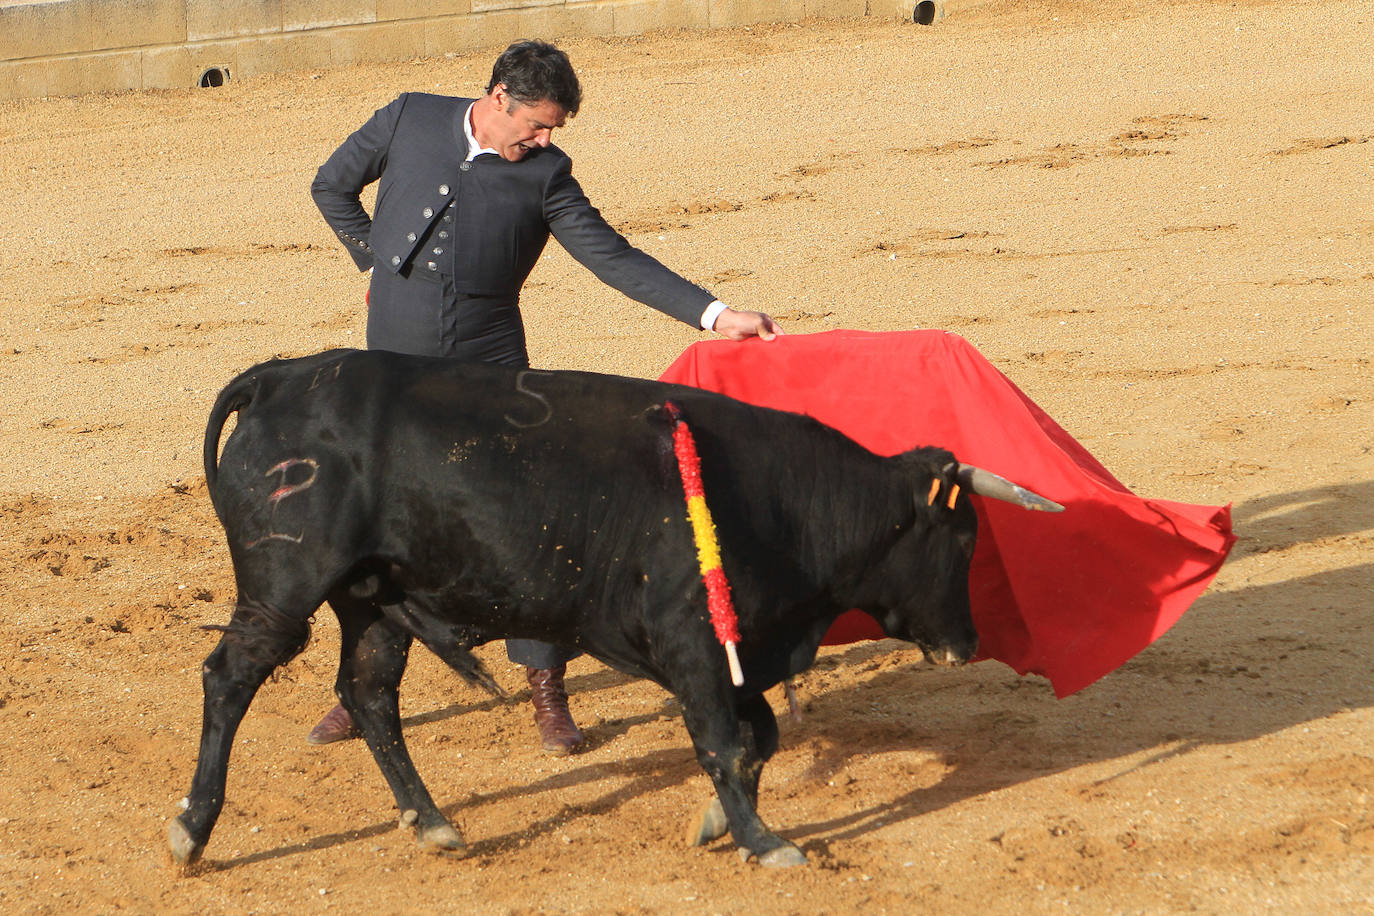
(64, 47)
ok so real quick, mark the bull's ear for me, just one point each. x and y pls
(945, 488)
(932, 493)
(942, 490)
(932, 475)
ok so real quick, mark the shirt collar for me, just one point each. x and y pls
(473, 149)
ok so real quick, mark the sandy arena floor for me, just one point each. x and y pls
(1155, 217)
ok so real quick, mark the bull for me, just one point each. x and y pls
(456, 503)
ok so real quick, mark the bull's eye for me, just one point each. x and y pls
(966, 544)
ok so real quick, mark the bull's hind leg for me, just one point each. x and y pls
(372, 659)
(731, 748)
(257, 640)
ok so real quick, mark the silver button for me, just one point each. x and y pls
(448, 217)
(428, 212)
(443, 233)
(432, 266)
(465, 166)
(438, 251)
(395, 260)
(443, 189)
(410, 236)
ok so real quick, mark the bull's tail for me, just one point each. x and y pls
(440, 637)
(471, 669)
(237, 395)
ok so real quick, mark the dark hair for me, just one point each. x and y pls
(536, 71)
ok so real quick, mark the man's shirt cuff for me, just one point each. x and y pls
(708, 317)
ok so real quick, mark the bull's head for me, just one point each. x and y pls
(923, 589)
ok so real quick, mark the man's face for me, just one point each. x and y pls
(517, 128)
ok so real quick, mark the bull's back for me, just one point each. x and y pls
(435, 412)
(420, 459)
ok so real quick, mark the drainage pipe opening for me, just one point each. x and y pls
(926, 12)
(214, 77)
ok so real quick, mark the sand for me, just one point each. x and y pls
(1156, 218)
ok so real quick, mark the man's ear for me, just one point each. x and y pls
(500, 97)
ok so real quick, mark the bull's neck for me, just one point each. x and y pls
(853, 525)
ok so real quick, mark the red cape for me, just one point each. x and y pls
(1070, 595)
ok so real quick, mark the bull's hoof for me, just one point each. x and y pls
(785, 856)
(710, 824)
(443, 839)
(185, 851)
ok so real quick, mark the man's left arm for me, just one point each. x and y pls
(580, 228)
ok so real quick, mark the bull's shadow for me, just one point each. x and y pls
(603, 679)
(1234, 668)
(647, 773)
(998, 730)
(1237, 666)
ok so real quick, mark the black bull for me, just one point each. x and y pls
(456, 503)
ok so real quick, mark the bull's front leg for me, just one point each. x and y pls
(733, 757)
(759, 733)
(372, 660)
(254, 644)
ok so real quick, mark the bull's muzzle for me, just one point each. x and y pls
(952, 655)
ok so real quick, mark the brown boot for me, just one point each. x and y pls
(557, 731)
(337, 725)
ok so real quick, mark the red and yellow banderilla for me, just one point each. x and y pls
(722, 608)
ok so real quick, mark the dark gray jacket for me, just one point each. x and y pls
(477, 226)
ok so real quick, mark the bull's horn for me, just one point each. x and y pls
(986, 483)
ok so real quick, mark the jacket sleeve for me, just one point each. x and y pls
(580, 228)
(359, 161)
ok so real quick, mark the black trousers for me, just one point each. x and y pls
(422, 314)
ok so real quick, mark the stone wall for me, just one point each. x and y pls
(65, 47)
